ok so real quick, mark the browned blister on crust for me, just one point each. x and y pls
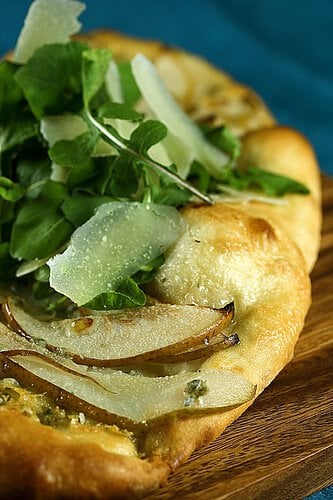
(256, 254)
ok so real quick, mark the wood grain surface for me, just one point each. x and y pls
(282, 447)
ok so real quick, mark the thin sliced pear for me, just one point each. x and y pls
(130, 400)
(218, 343)
(112, 396)
(126, 336)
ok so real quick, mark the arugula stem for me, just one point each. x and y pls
(114, 141)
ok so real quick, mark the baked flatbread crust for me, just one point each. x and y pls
(257, 254)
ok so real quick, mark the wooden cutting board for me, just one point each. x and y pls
(282, 447)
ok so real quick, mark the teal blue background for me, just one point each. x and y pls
(282, 48)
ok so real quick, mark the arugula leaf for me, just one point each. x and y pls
(7, 214)
(42, 274)
(164, 191)
(10, 191)
(125, 177)
(112, 137)
(171, 194)
(76, 155)
(147, 272)
(199, 176)
(7, 263)
(40, 228)
(146, 135)
(16, 123)
(127, 295)
(270, 183)
(10, 93)
(120, 111)
(94, 66)
(51, 79)
(33, 173)
(81, 206)
(98, 184)
(54, 193)
(225, 139)
(41, 290)
(16, 132)
(131, 92)
(38, 231)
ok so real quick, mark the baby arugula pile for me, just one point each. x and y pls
(89, 185)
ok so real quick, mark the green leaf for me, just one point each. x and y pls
(147, 272)
(146, 135)
(76, 155)
(131, 92)
(10, 191)
(51, 79)
(38, 231)
(53, 193)
(270, 183)
(199, 176)
(225, 139)
(127, 295)
(16, 123)
(117, 110)
(7, 263)
(33, 173)
(41, 290)
(142, 140)
(94, 67)
(125, 177)
(40, 228)
(7, 212)
(164, 191)
(99, 183)
(80, 207)
(42, 274)
(10, 93)
(16, 132)
(274, 184)
(170, 195)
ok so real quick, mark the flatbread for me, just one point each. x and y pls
(258, 255)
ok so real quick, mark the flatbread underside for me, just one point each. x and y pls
(257, 254)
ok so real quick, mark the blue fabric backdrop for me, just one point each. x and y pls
(282, 48)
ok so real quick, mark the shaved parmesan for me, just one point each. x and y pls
(47, 21)
(111, 246)
(190, 141)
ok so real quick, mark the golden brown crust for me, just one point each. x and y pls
(40, 462)
(287, 152)
(255, 253)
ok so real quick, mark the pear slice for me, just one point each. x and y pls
(218, 343)
(128, 336)
(112, 396)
